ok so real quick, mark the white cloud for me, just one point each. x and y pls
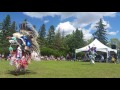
(107, 24)
(67, 27)
(40, 14)
(65, 15)
(113, 33)
(81, 20)
(46, 21)
(87, 34)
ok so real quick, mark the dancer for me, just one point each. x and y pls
(92, 54)
(26, 44)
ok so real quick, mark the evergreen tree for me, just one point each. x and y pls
(1, 35)
(6, 31)
(79, 41)
(0, 26)
(69, 41)
(58, 40)
(51, 35)
(13, 27)
(6, 25)
(101, 32)
(42, 31)
(63, 34)
(75, 40)
(42, 34)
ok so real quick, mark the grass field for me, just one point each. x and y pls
(62, 69)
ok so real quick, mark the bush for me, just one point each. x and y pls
(48, 51)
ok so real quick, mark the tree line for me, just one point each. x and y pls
(55, 42)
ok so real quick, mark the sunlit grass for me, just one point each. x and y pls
(62, 69)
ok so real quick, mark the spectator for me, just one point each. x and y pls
(68, 57)
(113, 59)
(102, 58)
(2, 55)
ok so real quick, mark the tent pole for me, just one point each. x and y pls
(75, 56)
(107, 56)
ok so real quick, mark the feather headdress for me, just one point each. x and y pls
(26, 38)
(29, 31)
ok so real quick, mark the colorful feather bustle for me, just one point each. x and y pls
(26, 44)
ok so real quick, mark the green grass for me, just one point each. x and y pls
(62, 69)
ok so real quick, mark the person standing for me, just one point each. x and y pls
(102, 58)
(113, 59)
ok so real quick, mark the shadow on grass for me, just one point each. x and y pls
(20, 73)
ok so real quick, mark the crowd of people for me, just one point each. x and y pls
(51, 57)
(99, 58)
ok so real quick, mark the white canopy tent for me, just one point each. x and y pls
(99, 47)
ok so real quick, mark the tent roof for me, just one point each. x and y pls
(99, 47)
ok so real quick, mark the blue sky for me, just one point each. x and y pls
(68, 21)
